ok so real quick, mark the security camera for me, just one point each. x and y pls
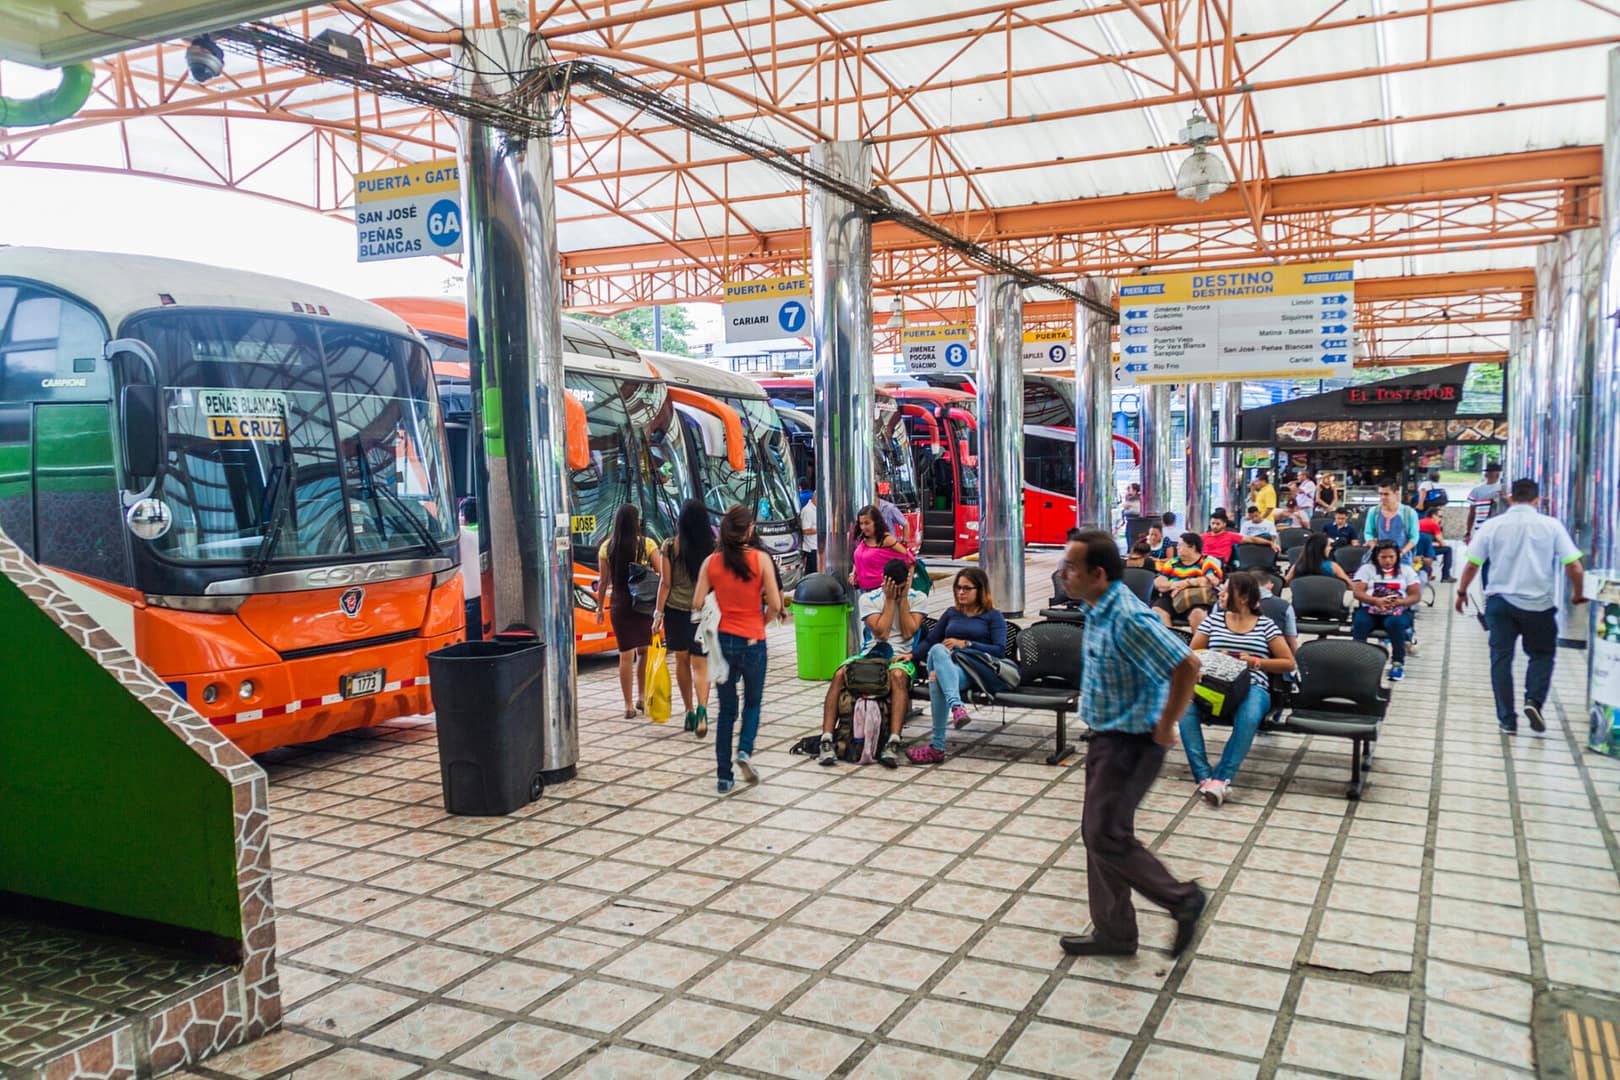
(204, 58)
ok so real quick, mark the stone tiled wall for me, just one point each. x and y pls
(250, 1005)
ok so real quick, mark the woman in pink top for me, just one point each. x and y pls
(745, 591)
(874, 546)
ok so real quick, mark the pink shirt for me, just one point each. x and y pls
(869, 563)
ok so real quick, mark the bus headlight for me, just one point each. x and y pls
(210, 693)
(584, 599)
(246, 690)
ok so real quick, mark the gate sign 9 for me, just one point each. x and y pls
(403, 213)
(1047, 350)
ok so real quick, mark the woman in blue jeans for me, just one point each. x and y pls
(744, 589)
(1238, 628)
(972, 624)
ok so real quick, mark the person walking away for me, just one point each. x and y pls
(1526, 550)
(1432, 542)
(1386, 590)
(1137, 679)
(748, 598)
(809, 527)
(970, 624)
(1236, 627)
(683, 555)
(873, 548)
(1492, 490)
(1429, 492)
(891, 616)
(1392, 520)
(626, 546)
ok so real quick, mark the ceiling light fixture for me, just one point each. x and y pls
(1202, 175)
(897, 315)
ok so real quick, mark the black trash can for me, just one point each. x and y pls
(487, 701)
(1137, 526)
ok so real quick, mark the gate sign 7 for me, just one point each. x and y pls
(403, 213)
(766, 310)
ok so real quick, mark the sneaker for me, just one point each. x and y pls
(1532, 713)
(746, 767)
(1201, 786)
(1214, 791)
(960, 717)
(1507, 727)
(887, 757)
(725, 787)
(1397, 672)
(828, 754)
(926, 755)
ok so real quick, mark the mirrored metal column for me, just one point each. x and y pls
(1519, 407)
(1155, 421)
(999, 325)
(1198, 455)
(1604, 462)
(514, 338)
(841, 280)
(1567, 493)
(1549, 296)
(1232, 489)
(1094, 408)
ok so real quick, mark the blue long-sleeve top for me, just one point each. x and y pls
(986, 633)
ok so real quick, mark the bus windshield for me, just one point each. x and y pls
(635, 458)
(769, 489)
(965, 440)
(295, 439)
(891, 459)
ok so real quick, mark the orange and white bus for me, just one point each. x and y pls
(241, 477)
(632, 447)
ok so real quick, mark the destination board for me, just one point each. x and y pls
(1273, 322)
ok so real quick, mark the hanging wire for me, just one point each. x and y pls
(538, 108)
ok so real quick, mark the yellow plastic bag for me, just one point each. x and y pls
(657, 682)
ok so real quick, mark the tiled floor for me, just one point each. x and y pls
(859, 922)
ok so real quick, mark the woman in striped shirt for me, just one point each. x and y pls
(1237, 628)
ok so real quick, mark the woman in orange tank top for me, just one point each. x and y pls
(745, 591)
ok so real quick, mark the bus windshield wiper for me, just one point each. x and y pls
(370, 487)
(281, 507)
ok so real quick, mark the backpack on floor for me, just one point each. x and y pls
(867, 676)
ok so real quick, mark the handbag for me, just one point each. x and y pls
(991, 674)
(1223, 684)
(644, 584)
(656, 678)
(1192, 596)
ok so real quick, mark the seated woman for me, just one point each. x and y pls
(972, 623)
(1190, 569)
(1141, 556)
(1313, 559)
(1237, 628)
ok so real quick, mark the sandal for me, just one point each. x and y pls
(925, 755)
(629, 714)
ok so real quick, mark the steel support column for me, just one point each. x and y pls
(1198, 454)
(841, 279)
(1154, 416)
(1549, 298)
(1520, 404)
(999, 325)
(1567, 493)
(514, 337)
(1231, 486)
(1094, 409)
(1604, 462)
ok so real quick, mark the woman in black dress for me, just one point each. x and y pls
(626, 546)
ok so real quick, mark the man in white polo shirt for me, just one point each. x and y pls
(1526, 551)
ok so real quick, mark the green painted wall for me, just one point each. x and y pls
(101, 806)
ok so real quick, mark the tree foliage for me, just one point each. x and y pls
(636, 327)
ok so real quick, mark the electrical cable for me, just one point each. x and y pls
(538, 108)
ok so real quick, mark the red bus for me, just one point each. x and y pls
(945, 455)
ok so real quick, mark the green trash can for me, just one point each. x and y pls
(820, 626)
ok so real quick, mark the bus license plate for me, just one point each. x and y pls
(362, 683)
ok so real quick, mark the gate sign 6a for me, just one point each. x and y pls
(1047, 350)
(403, 213)
(767, 310)
(938, 347)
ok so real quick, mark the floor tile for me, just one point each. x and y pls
(794, 1051)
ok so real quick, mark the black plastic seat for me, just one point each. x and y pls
(1291, 555)
(1252, 556)
(1319, 605)
(1049, 657)
(1351, 558)
(1140, 582)
(1341, 693)
(1293, 536)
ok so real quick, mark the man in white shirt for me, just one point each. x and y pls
(1526, 550)
(1305, 492)
(1256, 529)
(807, 526)
(891, 616)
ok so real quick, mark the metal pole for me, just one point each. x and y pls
(841, 281)
(1155, 423)
(1198, 454)
(1604, 462)
(1232, 488)
(999, 324)
(1549, 296)
(1569, 441)
(658, 328)
(1094, 408)
(514, 336)
(1519, 407)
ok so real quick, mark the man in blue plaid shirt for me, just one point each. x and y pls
(1137, 682)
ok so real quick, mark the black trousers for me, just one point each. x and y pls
(1119, 771)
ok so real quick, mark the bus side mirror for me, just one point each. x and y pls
(138, 409)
